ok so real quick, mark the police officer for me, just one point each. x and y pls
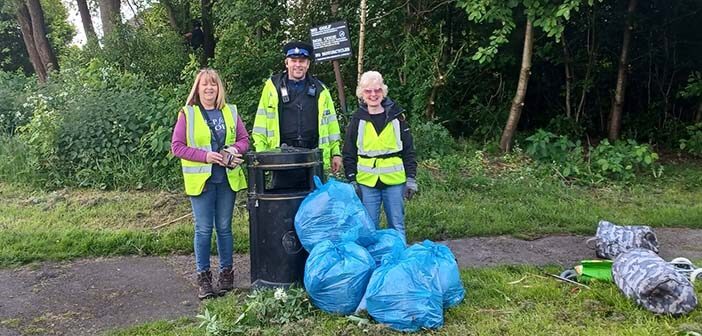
(297, 110)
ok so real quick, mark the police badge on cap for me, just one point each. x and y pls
(298, 49)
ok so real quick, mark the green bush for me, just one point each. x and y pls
(564, 154)
(431, 140)
(619, 161)
(156, 52)
(14, 112)
(693, 143)
(248, 50)
(622, 160)
(101, 127)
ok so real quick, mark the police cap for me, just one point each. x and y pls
(298, 49)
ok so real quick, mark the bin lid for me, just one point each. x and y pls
(284, 155)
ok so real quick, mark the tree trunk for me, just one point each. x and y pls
(615, 116)
(429, 112)
(698, 115)
(86, 19)
(568, 76)
(41, 42)
(591, 52)
(208, 43)
(361, 38)
(518, 101)
(109, 15)
(25, 22)
(172, 20)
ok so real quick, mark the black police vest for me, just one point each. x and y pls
(299, 124)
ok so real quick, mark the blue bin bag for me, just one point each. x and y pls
(401, 296)
(334, 212)
(384, 242)
(440, 262)
(336, 276)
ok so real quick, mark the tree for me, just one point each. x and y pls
(109, 15)
(86, 19)
(208, 43)
(615, 115)
(545, 14)
(178, 12)
(46, 53)
(515, 111)
(30, 16)
(25, 22)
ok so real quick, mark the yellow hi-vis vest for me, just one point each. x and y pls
(374, 155)
(266, 130)
(198, 135)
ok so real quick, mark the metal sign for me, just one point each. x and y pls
(330, 41)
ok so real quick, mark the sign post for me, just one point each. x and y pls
(331, 43)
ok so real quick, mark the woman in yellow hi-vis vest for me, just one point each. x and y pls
(209, 138)
(378, 154)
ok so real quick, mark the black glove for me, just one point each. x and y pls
(410, 188)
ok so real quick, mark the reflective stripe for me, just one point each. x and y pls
(197, 169)
(263, 130)
(190, 121)
(263, 112)
(325, 118)
(191, 125)
(398, 138)
(380, 170)
(360, 136)
(374, 153)
(232, 108)
(330, 138)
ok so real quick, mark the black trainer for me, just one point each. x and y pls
(225, 282)
(204, 281)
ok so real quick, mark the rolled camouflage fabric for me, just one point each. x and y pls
(653, 283)
(612, 240)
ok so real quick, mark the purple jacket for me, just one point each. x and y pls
(181, 150)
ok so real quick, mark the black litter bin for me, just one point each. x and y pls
(277, 256)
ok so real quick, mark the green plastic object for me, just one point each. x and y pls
(596, 269)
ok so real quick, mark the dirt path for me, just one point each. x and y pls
(89, 297)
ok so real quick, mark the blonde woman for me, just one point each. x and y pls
(378, 154)
(205, 126)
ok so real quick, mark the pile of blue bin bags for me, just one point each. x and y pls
(350, 262)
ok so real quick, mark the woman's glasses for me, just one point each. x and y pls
(370, 91)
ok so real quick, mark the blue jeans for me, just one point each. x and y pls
(391, 197)
(213, 208)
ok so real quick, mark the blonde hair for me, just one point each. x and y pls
(367, 78)
(213, 77)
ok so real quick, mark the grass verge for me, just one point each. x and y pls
(455, 201)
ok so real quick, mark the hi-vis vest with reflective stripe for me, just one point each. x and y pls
(375, 159)
(198, 135)
(266, 130)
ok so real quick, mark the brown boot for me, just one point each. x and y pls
(225, 282)
(204, 281)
